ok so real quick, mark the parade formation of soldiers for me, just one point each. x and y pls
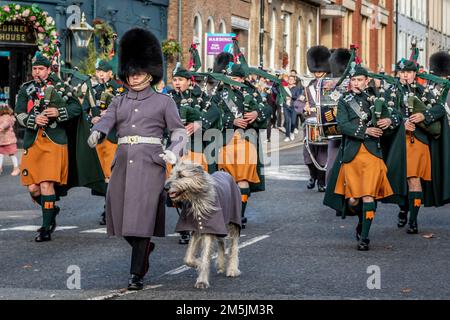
(369, 137)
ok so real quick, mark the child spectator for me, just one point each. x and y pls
(8, 139)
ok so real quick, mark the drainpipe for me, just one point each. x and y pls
(396, 31)
(318, 26)
(261, 33)
(95, 9)
(180, 17)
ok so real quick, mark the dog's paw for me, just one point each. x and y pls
(201, 285)
(191, 263)
(233, 273)
(220, 270)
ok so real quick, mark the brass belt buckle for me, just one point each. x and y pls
(133, 139)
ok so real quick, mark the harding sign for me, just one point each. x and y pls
(17, 34)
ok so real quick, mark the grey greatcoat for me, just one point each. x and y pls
(228, 203)
(135, 200)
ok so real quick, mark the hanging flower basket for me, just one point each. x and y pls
(39, 20)
(170, 48)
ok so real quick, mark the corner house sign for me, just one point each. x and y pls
(17, 34)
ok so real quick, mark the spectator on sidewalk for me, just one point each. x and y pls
(8, 140)
(290, 115)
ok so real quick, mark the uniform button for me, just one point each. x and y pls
(131, 161)
(201, 228)
(24, 172)
(44, 134)
(200, 223)
(136, 110)
(25, 152)
(133, 126)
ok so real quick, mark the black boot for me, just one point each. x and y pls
(363, 245)
(44, 235)
(102, 221)
(311, 184)
(402, 219)
(412, 228)
(53, 224)
(243, 222)
(358, 231)
(312, 176)
(135, 283)
(321, 181)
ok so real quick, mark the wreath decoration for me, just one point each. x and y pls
(106, 37)
(43, 25)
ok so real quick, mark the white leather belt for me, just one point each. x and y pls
(139, 140)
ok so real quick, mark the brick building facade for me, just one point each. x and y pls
(370, 24)
(199, 17)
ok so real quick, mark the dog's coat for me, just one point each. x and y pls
(228, 209)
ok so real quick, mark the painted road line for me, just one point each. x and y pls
(34, 228)
(244, 244)
(290, 173)
(124, 292)
(99, 230)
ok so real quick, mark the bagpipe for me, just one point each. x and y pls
(416, 105)
(221, 82)
(105, 98)
(53, 96)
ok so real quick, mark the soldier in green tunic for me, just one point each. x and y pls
(198, 113)
(424, 147)
(44, 106)
(359, 175)
(106, 89)
(244, 113)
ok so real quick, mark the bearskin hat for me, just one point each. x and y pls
(440, 64)
(221, 62)
(339, 60)
(317, 59)
(140, 51)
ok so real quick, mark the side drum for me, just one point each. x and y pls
(314, 133)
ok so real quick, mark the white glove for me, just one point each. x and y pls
(169, 156)
(93, 139)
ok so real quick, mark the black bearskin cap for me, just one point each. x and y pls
(221, 62)
(317, 58)
(339, 60)
(140, 51)
(440, 64)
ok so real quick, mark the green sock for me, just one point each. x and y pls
(48, 211)
(368, 216)
(245, 193)
(415, 202)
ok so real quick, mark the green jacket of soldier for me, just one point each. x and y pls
(28, 106)
(103, 94)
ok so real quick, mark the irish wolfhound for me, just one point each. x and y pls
(211, 209)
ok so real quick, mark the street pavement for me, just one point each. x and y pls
(293, 248)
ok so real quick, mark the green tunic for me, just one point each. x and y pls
(194, 105)
(103, 94)
(70, 128)
(233, 104)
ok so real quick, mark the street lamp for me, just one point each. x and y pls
(82, 33)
